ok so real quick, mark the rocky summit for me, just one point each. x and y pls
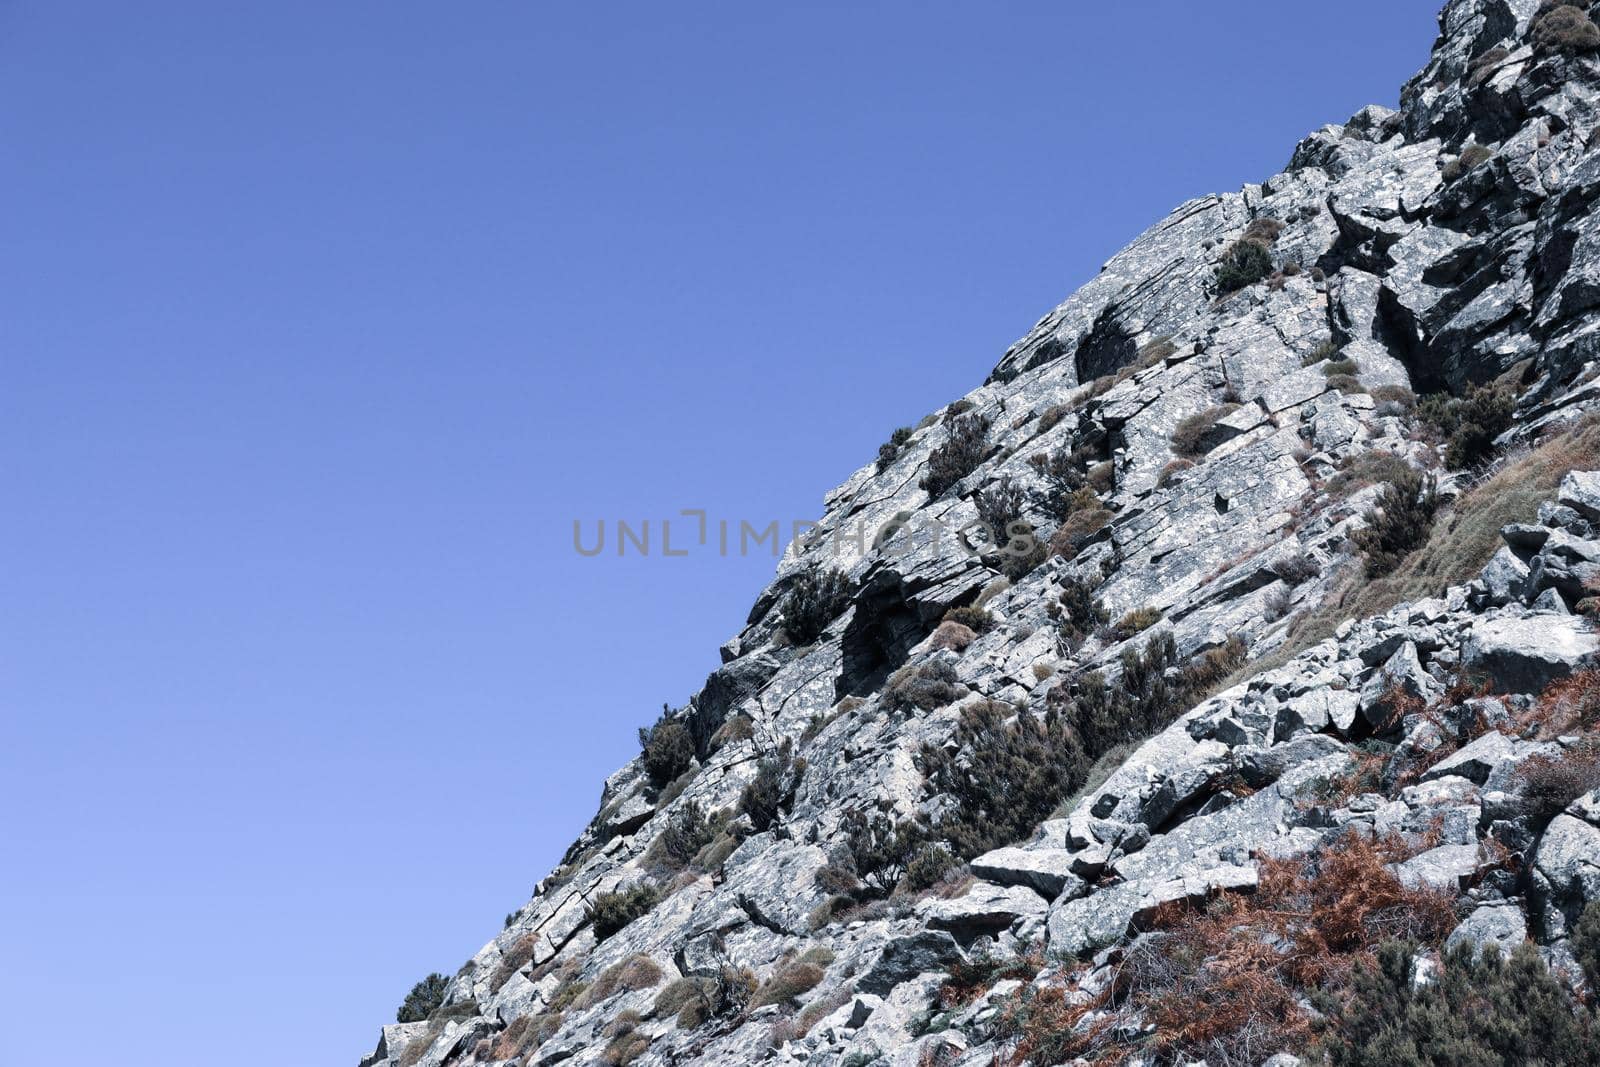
(1218, 682)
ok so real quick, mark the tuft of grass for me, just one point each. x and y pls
(1189, 438)
(790, 978)
(1136, 622)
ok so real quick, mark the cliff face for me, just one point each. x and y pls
(1259, 648)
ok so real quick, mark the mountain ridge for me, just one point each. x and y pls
(1136, 618)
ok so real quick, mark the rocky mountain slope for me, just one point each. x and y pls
(1270, 664)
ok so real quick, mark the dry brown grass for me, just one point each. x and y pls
(789, 979)
(1460, 544)
(953, 636)
(518, 956)
(632, 974)
(1570, 705)
(1227, 980)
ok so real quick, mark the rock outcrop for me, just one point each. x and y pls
(1195, 684)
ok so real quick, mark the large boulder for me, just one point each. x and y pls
(906, 957)
(1500, 925)
(1566, 873)
(1524, 655)
(982, 909)
(1044, 870)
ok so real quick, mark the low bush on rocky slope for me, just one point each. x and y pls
(1006, 770)
(424, 998)
(1078, 609)
(817, 597)
(1007, 773)
(1150, 694)
(1364, 469)
(667, 749)
(1000, 506)
(1481, 1009)
(1136, 622)
(965, 446)
(1550, 783)
(1469, 424)
(772, 789)
(1563, 28)
(1227, 980)
(1399, 524)
(688, 830)
(925, 686)
(1243, 264)
(610, 912)
(889, 451)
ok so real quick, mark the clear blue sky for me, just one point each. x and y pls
(320, 322)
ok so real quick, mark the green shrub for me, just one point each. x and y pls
(1484, 1010)
(889, 451)
(1469, 424)
(1081, 613)
(765, 796)
(686, 833)
(1586, 944)
(1243, 264)
(668, 749)
(423, 1000)
(610, 912)
(816, 598)
(1189, 437)
(928, 867)
(974, 618)
(1064, 475)
(878, 849)
(1149, 696)
(927, 686)
(1564, 28)
(1399, 524)
(1347, 384)
(1000, 507)
(964, 448)
(1341, 366)
(1005, 772)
